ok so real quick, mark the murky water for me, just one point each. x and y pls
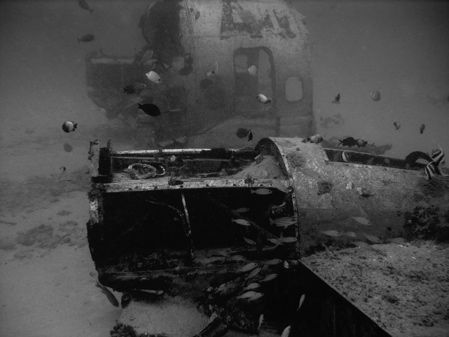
(397, 49)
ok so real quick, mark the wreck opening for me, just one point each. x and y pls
(161, 211)
(157, 231)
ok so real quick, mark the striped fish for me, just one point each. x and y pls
(432, 168)
(437, 156)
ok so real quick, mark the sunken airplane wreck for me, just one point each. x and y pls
(226, 228)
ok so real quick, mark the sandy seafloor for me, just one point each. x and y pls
(47, 278)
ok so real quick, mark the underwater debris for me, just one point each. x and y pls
(252, 70)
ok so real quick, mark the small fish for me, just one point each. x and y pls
(247, 267)
(289, 239)
(261, 320)
(249, 241)
(68, 147)
(350, 234)
(252, 286)
(269, 278)
(236, 257)
(252, 70)
(437, 156)
(110, 296)
(422, 128)
(153, 77)
(69, 126)
(286, 332)
(242, 132)
(86, 38)
(361, 220)
(254, 273)
(135, 88)
(396, 125)
(273, 262)
(348, 141)
(286, 265)
(210, 73)
(63, 169)
(315, 139)
(351, 141)
(242, 210)
(345, 156)
(263, 99)
(361, 142)
(331, 232)
(262, 191)
(284, 222)
(430, 170)
(274, 241)
(242, 222)
(301, 301)
(250, 136)
(250, 296)
(337, 99)
(149, 109)
(375, 95)
(84, 5)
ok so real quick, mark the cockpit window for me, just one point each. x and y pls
(293, 89)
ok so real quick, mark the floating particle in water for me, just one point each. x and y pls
(68, 147)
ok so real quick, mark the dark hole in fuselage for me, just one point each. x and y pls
(142, 224)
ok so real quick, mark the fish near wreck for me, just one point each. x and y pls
(139, 245)
(109, 295)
